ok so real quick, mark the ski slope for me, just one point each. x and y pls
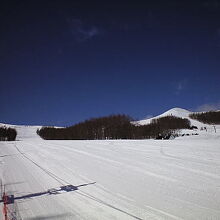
(121, 179)
(178, 112)
(24, 132)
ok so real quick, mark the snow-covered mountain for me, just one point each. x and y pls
(178, 112)
(183, 113)
(112, 179)
(27, 132)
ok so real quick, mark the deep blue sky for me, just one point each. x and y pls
(62, 62)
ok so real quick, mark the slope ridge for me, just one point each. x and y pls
(177, 112)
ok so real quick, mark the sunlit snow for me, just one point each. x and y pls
(113, 179)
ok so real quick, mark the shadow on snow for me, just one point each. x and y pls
(54, 191)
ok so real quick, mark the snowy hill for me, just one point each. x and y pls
(24, 131)
(112, 179)
(178, 112)
(183, 113)
(29, 132)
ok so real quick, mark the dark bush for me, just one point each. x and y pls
(7, 134)
(211, 117)
(193, 127)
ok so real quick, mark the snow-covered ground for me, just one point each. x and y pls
(121, 179)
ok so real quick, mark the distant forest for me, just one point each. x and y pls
(7, 134)
(211, 117)
(115, 127)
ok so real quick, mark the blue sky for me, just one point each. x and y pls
(62, 62)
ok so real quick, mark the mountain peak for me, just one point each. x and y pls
(178, 112)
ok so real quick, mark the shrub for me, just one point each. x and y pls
(193, 127)
(7, 134)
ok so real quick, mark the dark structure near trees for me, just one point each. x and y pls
(7, 134)
(211, 117)
(115, 127)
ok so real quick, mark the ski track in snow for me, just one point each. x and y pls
(121, 179)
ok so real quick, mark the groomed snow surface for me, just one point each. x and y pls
(121, 179)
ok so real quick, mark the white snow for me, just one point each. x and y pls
(24, 132)
(127, 179)
(178, 112)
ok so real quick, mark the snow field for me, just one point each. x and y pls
(114, 179)
(134, 179)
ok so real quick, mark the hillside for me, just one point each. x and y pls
(24, 131)
(112, 179)
(182, 113)
(29, 132)
(178, 112)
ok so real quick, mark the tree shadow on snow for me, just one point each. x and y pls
(54, 191)
(59, 216)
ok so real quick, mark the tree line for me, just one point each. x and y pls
(115, 127)
(211, 117)
(7, 134)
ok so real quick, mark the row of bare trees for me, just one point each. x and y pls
(211, 117)
(111, 127)
(114, 127)
(7, 134)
